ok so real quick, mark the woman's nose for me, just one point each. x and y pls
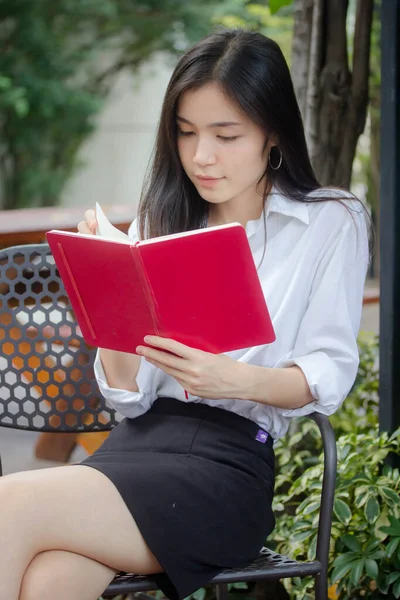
(204, 154)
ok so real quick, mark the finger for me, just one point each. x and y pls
(163, 358)
(83, 227)
(176, 373)
(171, 346)
(90, 217)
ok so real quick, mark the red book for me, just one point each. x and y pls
(200, 288)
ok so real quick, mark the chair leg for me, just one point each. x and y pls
(321, 586)
(222, 591)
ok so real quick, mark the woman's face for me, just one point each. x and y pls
(220, 148)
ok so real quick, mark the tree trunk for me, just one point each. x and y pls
(303, 12)
(334, 90)
(334, 103)
(358, 103)
(312, 99)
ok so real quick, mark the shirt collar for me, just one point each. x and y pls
(278, 203)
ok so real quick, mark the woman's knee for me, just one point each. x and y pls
(13, 494)
(64, 575)
(18, 495)
(39, 582)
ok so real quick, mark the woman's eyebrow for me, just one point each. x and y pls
(217, 124)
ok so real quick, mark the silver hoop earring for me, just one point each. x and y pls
(280, 159)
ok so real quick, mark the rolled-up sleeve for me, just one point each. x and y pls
(326, 345)
(127, 403)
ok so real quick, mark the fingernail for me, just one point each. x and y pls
(139, 350)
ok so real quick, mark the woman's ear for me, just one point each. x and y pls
(270, 141)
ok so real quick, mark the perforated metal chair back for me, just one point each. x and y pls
(47, 381)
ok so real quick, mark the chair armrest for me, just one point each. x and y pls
(328, 486)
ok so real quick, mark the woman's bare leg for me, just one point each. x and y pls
(72, 508)
(65, 576)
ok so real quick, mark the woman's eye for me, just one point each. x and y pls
(185, 133)
(228, 139)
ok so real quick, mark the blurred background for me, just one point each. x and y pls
(82, 82)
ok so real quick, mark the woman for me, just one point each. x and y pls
(180, 470)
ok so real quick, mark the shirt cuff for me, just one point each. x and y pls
(322, 377)
(129, 404)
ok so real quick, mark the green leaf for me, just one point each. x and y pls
(361, 478)
(379, 456)
(342, 511)
(392, 577)
(372, 545)
(396, 589)
(380, 522)
(372, 509)
(199, 594)
(357, 571)
(339, 572)
(371, 568)
(240, 585)
(308, 506)
(312, 548)
(361, 497)
(295, 439)
(312, 507)
(351, 542)
(300, 536)
(344, 559)
(392, 545)
(394, 528)
(389, 494)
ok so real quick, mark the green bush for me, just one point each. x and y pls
(365, 541)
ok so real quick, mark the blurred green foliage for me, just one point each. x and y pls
(59, 61)
(57, 65)
(274, 20)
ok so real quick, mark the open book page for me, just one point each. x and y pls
(106, 229)
(174, 236)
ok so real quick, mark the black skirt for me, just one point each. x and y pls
(198, 481)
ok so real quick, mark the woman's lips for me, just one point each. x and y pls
(208, 181)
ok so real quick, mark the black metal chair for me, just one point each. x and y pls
(47, 385)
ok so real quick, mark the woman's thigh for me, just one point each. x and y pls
(78, 509)
(65, 576)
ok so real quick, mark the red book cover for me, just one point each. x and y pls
(200, 288)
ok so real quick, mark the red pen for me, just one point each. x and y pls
(186, 395)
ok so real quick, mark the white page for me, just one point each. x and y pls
(105, 228)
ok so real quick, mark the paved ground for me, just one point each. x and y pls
(16, 447)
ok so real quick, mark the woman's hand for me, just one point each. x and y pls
(200, 373)
(89, 225)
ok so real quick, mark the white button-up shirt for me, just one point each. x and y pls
(313, 276)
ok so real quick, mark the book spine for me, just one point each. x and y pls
(146, 287)
(76, 291)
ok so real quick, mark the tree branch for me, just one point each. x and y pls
(362, 49)
(336, 31)
(303, 10)
(100, 80)
(312, 100)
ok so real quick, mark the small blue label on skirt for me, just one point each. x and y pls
(262, 436)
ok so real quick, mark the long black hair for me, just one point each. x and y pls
(252, 72)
